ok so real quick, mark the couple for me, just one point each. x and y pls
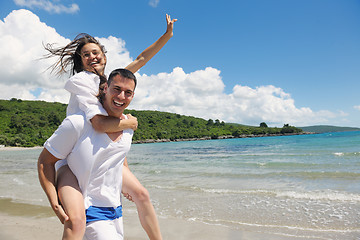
(94, 139)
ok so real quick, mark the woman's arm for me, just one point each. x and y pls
(84, 88)
(154, 48)
(110, 124)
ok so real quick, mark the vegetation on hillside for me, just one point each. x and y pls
(30, 123)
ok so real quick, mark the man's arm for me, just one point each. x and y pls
(46, 172)
(154, 48)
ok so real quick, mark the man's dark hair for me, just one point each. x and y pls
(120, 71)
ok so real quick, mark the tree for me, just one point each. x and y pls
(263, 125)
(210, 122)
(290, 129)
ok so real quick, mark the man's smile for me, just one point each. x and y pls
(118, 104)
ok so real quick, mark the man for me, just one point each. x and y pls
(95, 158)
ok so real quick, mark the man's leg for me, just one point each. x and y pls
(144, 206)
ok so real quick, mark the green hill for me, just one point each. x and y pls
(327, 128)
(30, 123)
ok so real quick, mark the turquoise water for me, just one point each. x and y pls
(306, 186)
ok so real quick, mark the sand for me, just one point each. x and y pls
(3, 148)
(19, 221)
(13, 227)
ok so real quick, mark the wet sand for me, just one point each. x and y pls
(14, 227)
(3, 148)
(19, 221)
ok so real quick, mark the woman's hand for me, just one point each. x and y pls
(170, 24)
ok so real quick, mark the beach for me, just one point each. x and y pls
(35, 228)
(289, 187)
(20, 221)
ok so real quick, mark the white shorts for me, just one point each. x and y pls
(105, 230)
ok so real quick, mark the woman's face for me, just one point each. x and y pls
(93, 58)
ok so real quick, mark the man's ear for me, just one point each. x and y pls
(105, 88)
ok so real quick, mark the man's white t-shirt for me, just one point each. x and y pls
(93, 157)
(83, 88)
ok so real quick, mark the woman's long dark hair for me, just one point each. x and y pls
(70, 54)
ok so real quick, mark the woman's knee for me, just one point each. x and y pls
(142, 195)
(77, 222)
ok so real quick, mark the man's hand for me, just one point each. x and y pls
(128, 196)
(60, 213)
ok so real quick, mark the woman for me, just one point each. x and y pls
(88, 60)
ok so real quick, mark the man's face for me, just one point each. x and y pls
(92, 57)
(118, 95)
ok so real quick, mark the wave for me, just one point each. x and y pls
(320, 195)
(313, 195)
(270, 226)
(264, 172)
(348, 154)
(316, 195)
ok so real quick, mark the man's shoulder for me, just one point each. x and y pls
(78, 120)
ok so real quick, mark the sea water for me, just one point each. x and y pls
(305, 186)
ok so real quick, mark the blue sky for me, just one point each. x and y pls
(278, 61)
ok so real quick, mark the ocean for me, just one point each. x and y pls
(306, 186)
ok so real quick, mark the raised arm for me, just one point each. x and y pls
(154, 48)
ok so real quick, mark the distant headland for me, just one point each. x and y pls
(29, 123)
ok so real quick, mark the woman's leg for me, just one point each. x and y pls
(72, 201)
(144, 206)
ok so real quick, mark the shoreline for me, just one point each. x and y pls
(7, 148)
(219, 137)
(20, 221)
(34, 228)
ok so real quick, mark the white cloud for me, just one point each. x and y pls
(23, 71)
(22, 35)
(48, 6)
(357, 107)
(199, 93)
(154, 3)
